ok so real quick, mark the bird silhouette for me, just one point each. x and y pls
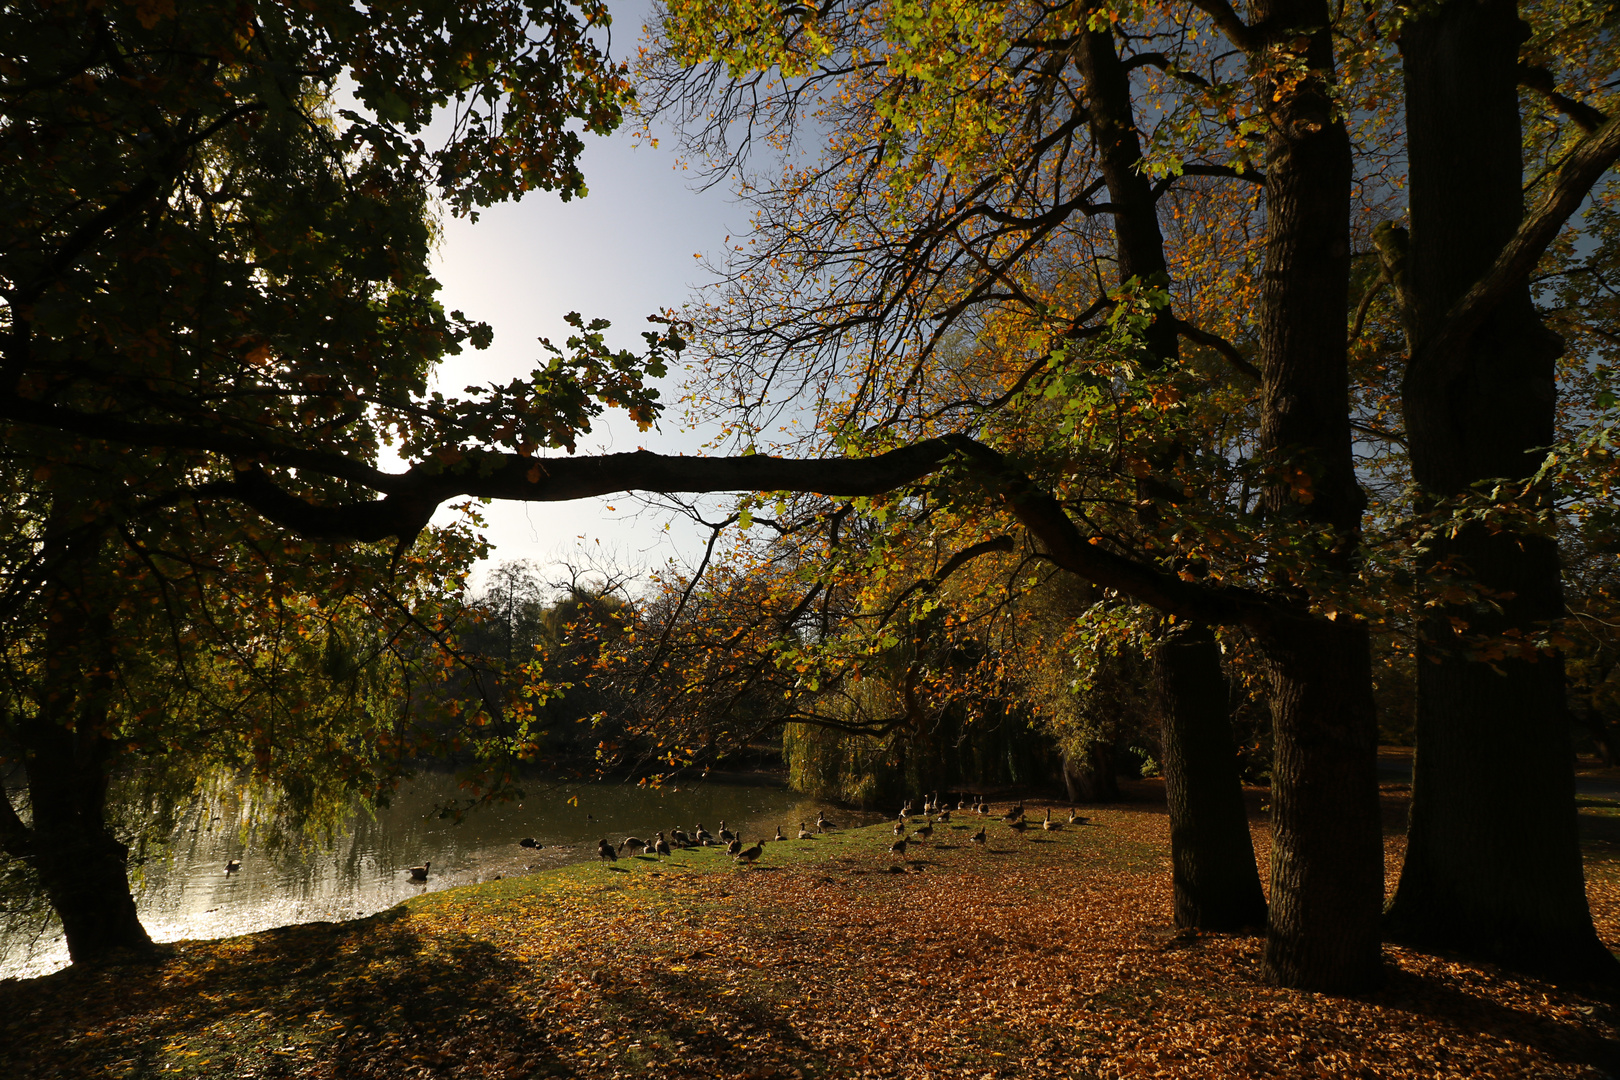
(605, 852)
(1018, 825)
(898, 847)
(979, 837)
(420, 873)
(527, 841)
(1014, 814)
(233, 866)
(925, 831)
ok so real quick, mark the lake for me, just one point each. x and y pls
(183, 891)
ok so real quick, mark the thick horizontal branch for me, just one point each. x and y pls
(412, 496)
(1066, 546)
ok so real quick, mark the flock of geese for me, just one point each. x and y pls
(678, 839)
(934, 812)
(906, 831)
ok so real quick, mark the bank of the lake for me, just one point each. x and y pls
(183, 891)
(1047, 955)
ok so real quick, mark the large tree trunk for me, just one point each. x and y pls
(1217, 882)
(1493, 865)
(68, 749)
(1327, 871)
(1327, 855)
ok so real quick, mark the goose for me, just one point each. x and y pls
(527, 841)
(944, 817)
(925, 831)
(984, 809)
(734, 847)
(634, 843)
(233, 866)
(979, 837)
(748, 855)
(962, 803)
(679, 838)
(605, 852)
(1049, 825)
(900, 828)
(661, 848)
(905, 811)
(419, 873)
(726, 835)
(779, 835)
(1014, 814)
(898, 847)
(702, 835)
(1019, 825)
(1077, 819)
(823, 822)
(804, 833)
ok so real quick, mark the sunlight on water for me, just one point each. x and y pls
(185, 892)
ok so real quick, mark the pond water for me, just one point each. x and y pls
(183, 891)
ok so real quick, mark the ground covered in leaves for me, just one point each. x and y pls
(1048, 955)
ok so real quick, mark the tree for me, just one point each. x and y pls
(1493, 862)
(952, 191)
(197, 248)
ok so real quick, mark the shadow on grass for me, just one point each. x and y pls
(373, 998)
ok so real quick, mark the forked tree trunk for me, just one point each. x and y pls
(1327, 870)
(1217, 881)
(1493, 864)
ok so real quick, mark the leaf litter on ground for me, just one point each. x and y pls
(1043, 955)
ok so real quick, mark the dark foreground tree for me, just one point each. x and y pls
(1493, 865)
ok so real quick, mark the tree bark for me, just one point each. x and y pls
(1493, 865)
(67, 752)
(1217, 881)
(1327, 856)
(1327, 870)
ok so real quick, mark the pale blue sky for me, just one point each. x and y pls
(622, 253)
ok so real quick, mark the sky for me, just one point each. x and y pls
(622, 253)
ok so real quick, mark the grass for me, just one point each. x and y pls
(1043, 956)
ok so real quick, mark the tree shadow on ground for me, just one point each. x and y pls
(1444, 1001)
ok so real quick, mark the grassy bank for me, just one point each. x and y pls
(1042, 956)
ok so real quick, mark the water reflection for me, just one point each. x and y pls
(184, 891)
